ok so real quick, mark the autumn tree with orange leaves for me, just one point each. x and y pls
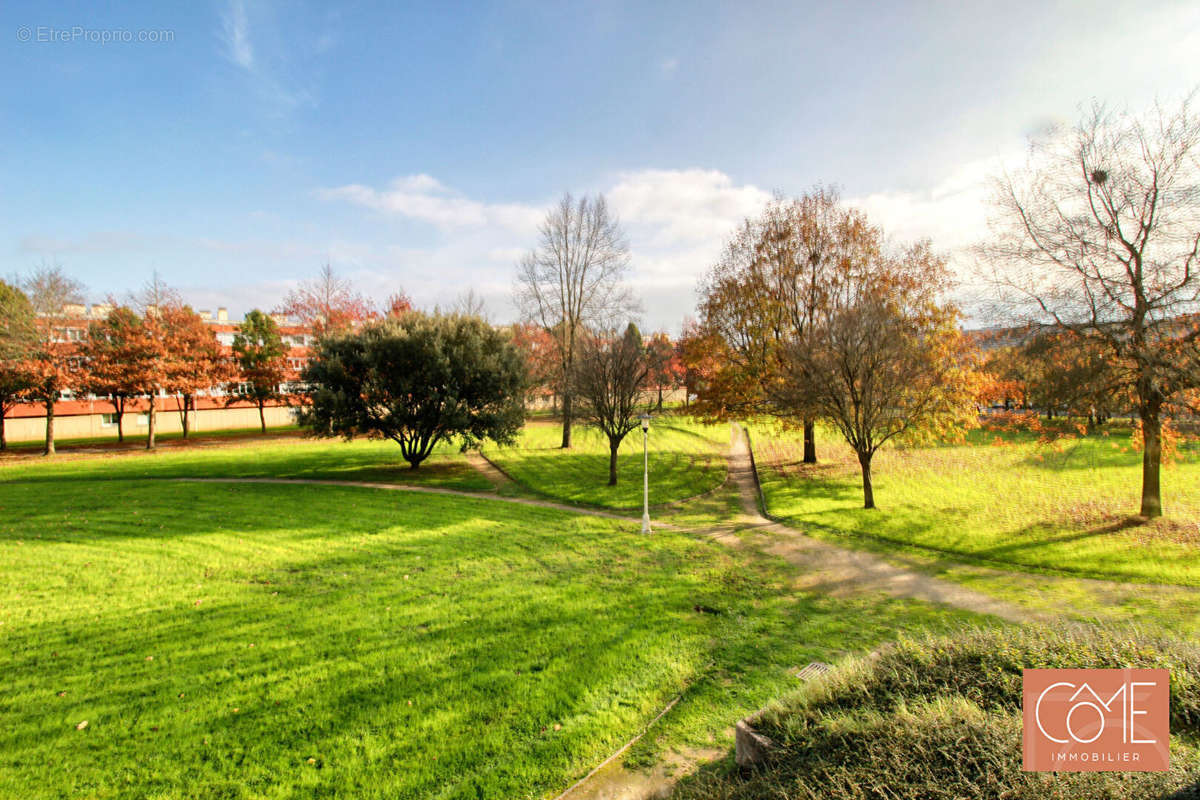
(54, 364)
(884, 358)
(1098, 238)
(665, 364)
(328, 303)
(195, 361)
(117, 354)
(540, 351)
(764, 293)
(398, 303)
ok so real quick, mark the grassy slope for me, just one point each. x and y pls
(261, 640)
(1021, 505)
(686, 459)
(941, 718)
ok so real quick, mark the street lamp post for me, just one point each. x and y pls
(645, 473)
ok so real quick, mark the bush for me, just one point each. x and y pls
(417, 380)
(940, 718)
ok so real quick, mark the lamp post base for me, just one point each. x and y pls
(646, 523)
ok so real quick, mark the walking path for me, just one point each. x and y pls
(835, 570)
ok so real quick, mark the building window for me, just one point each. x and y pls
(143, 420)
(108, 420)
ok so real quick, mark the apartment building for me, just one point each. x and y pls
(80, 416)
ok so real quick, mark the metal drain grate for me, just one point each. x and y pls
(813, 670)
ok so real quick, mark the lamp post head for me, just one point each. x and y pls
(645, 418)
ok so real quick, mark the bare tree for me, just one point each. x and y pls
(154, 296)
(1099, 236)
(574, 279)
(49, 289)
(471, 304)
(611, 379)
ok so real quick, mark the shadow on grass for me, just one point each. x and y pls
(321, 642)
(349, 464)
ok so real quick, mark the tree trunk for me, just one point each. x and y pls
(1151, 458)
(119, 408)
(151, 418)
(262, 416)
(49, 451)
(613, 446)
(3, 437)
(864, 460)
(660, 397)
(810, 442)
(567, 402)
(186, 399)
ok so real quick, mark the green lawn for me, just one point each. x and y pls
(261, 640)
(135, 437)
(686, 459)
(1064, 508)
(284, 457)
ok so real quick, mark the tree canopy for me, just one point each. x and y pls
(611, 378)
(260, 355)
(418, 380)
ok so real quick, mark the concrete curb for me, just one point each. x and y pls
(751, 747)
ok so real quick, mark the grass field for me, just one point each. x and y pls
(225, 640)
(686, 459)
(1021, 504)
(135, 437)
(283, 457)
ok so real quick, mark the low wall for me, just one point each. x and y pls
(548, 402)
(91, 426)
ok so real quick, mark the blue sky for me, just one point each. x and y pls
(416, 146)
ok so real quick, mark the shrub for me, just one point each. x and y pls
(940, 718)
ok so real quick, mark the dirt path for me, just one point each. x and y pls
(835, 570)
(483, 465)
(400, 487)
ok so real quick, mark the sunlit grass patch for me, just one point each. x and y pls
(1066, 506)
(686, 459)
(226, 640)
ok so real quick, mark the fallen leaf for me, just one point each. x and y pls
(81, 725)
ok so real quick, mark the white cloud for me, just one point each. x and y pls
(424, 198)
(671, 208)
(235, 28)
(676, 220)
(267, 72)
(952, 213)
